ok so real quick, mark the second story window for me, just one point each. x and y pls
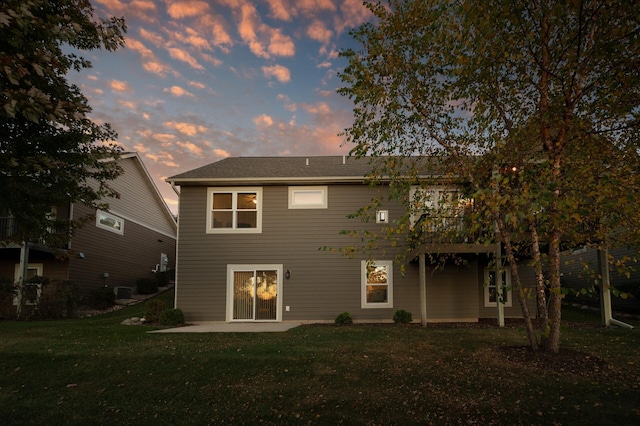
(234, 210)
(447, 204)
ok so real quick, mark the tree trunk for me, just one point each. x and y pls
(552, 341)
(515, 279)
(541, 297)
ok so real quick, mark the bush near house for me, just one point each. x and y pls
(344, 318)
(402, 317)
(58, 299)
(147, 286)
(101, 298)
(153, 309)
(171, 317)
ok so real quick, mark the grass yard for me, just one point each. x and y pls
(96, 371)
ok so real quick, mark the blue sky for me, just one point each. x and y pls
(202, 80)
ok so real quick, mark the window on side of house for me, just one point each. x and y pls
(32, 291)
(234, 210)
(377, 284)
(308, 197)
(109, 222)
(490, 295)
(437, 201)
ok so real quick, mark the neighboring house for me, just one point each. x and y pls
(115, 248)
(249, 239)
(580, 269)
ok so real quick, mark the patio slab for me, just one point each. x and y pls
(233, 327)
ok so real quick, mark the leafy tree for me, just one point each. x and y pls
(51, 153)
(531, 107)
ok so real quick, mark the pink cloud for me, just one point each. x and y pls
(281, 73)
(191, 147)
(319, 32)
(210, 59)
(213, 28)
(221, 153)
(150, 62)
(178, 91)
(263, 120)
(263, 41)
(187, 9)
(184, 56)
(154, 38)
(188, 129)
(354, 13)
(280, 10)
(119, 86)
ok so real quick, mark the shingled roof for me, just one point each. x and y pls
(277, 169)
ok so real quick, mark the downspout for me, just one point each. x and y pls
(605, 292)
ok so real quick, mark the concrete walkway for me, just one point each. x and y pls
(233, 327)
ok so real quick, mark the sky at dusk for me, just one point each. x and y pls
(202, 80)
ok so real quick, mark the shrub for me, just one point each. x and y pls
(59, 301)
(344, 318)
(102, 298)
(402, 317)
(147, 286)
(163, 278)
(172, 317)
(153, 309)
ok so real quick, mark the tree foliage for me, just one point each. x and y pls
(51, 152)
(532, 107)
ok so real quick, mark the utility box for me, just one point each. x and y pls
(122, 292)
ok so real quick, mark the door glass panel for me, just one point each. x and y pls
(266, 294)
(243, 294)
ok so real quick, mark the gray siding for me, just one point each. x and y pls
(139, 200)
(322, 283)
(580, 270)
(124, 257)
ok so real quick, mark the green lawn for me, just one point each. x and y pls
(96, 371)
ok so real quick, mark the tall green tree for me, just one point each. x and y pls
(533, 107)
(51, 152)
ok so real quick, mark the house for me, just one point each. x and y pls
(581, 268)
(136, 236)
(250, 230)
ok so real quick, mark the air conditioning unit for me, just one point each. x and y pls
(122, 292)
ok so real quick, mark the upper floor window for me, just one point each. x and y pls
(234, 210)
(377, 284)
(109, 222)
(446, 203)
(308, 197)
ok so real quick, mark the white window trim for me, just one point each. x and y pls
(434, 202)
(231, 268)
(110, 216)
(487, 302)
(234, 190)
(382, 216)
(39, 267)
(322, 189)
(363, 284)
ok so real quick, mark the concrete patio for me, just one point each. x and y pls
(233, 327)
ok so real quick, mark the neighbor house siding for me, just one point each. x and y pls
(124, 257)
(322, 284)
(580, 270)
(139, 199)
